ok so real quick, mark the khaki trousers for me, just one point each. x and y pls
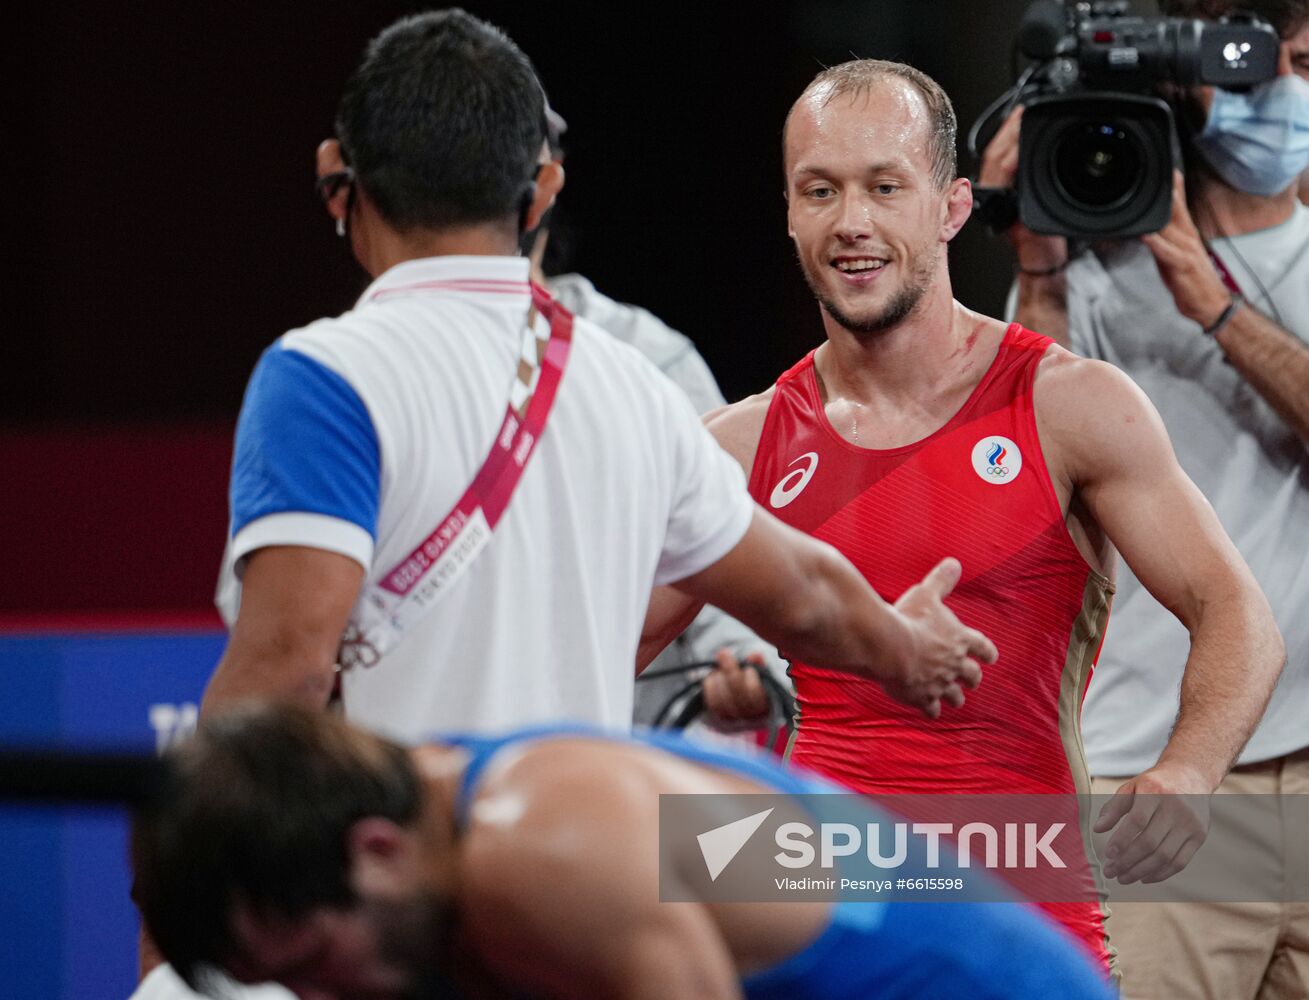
(1222, 951)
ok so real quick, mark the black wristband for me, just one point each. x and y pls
(1224, 317)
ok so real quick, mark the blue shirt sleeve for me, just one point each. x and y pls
(305, 443)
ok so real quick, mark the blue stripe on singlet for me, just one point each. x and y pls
(761, 768)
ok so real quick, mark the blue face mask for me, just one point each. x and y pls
(1258, 142)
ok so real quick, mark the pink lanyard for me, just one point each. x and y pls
(1224, 274)
(415, 584)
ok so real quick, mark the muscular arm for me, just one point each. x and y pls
(1114, 449)
(1112, 446)
(805, 597)
(294, 605)
(798, 593)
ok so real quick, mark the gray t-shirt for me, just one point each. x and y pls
(1250, 465)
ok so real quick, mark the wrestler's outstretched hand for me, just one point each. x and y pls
(947, 655)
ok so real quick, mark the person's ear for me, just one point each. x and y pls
(549, 182)
(958, 208)
(329, 160)
(383, 856)
(786, 196)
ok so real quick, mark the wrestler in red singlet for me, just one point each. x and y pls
(976, 489)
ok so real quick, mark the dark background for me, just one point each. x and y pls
(162, 229)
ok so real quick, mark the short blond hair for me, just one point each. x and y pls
(859, 76)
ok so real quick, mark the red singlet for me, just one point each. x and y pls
(976, 489)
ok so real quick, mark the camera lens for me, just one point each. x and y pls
(1098, 165)
(1095, 165)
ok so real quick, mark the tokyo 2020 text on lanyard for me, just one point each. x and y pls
(391, 605)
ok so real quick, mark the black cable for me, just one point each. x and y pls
(681, 668)
(1230, 244)
(688, 704)
(669, 716)
(1003, 104)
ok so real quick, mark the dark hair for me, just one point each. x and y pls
(1286, 16)
(443, 122)
(256, 807)
(857, 76)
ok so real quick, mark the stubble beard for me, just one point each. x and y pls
(903, 302)
(417, 936)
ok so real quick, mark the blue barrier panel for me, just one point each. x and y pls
(31, 860)
(65, 901)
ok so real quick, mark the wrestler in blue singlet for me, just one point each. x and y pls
(891, 950)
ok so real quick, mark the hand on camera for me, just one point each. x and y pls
(1185, 265)
(946, 652)
(999, 168)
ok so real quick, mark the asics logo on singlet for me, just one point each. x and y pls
(997, 460)
(794, 482)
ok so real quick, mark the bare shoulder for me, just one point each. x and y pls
(1089, 412)
(738, 426)
(548, 791)
(560, 851)
(1068, 386)
(553, 767)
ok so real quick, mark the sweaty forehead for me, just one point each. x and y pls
(887, 120)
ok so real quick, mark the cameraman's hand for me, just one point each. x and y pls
(946, 652)
(999, 168)
(1184, 263)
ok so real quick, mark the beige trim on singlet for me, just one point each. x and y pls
(790, 743)
(1083, 645)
